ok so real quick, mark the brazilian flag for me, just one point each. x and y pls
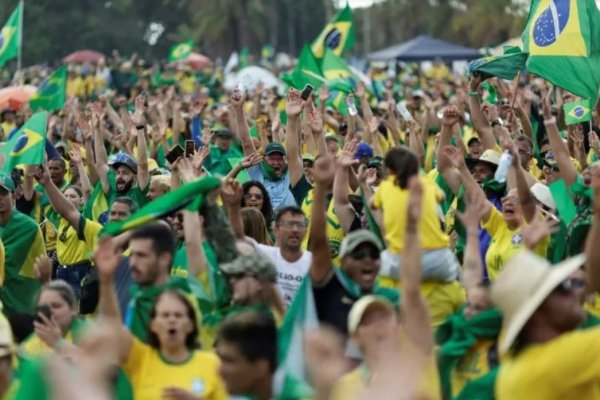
(181, 51)
(52, 93)
(505, 66)
(337, 36)
(189, 195)
(340, 80)
(307, 71)
(577, 112)
(10, 36)
(28, 144)
(561, 37)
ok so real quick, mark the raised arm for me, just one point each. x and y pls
(559, 148)
(472, 264)
(324, 172)
(293, 109)
(444, 164)
(107, 261)
(100, 150)
(59, 202)
(84, 180)
(480, 123)
(414, 308)
(526, 199)
(592, 248)
(231, 194)
(236, 101)
(343, 209)
(143, 176)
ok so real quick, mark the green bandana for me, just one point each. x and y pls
(457, 335)
(491, 185)
(270, 173)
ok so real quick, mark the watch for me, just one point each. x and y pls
(140, 127)
(496, 122)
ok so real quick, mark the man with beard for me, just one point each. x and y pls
(123, 176)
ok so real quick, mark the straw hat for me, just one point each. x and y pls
(523, 286)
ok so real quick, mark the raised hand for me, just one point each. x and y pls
(474, 212)
(251, 160)
(415, 202)
(185, 169)
(454, 155)
(537, 230)
(360, 91)
(75, 154)
(232, 192)
(346, 156)
(43, 269)
(324, 170)
(315, 122)
(323, 93)
(475, 82)
(237, 98)
(140, 107)
(106, 258)
(547, 105)
(594, 142)
(450, 117)
(200, 157)
(207, 135)
(294, 103)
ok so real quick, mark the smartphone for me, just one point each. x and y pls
(174, 154)
(306, 92)
(401, 107)
(190, 148)
(45, 310)
(351, 106)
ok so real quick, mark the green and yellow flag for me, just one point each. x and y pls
(561, 37)
(189, 195)
(505, 66)
(181, 51)
(10, 36)
(340, 80)
(337, 36)
(307, 71)
(577, 112)
(28, 144)
(52, 93)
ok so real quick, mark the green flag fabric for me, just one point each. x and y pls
(28, 144)
(505, 66)
(338, 35)
(564, 203)
(340, 80)
(52, 93)
(191, 194)
(11, 35)
(244, 59)
(307, 71)
(181, 51)
(561, 39)
(577, 112)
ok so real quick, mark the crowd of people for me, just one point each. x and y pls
(450, 253)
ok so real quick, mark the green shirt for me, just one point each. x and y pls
(140, 196)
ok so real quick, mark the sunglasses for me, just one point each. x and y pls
(363, 252)
(569, 285)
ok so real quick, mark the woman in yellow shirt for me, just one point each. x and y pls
(169, 366)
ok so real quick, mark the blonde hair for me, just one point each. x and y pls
(255, 225)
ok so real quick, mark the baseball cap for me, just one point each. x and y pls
(224, 133)
(273, 148)
(7, 183)
(256, 264)
(363, 150)
(308, 157)
(473, 139)
(355, 239)
(123, 159)
(332, 136)
(364, 304)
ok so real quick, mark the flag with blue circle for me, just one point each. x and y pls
(181, 51)
(10, 36)
(577, 112)
(563, 49)
(337, 36)
(52, 93)
(27, 146)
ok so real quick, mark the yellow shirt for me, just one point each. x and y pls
(567, 367)
(394, 202)
(70, 248)
(505, 243)
(150, 374)
(473, 365)
(89, 230)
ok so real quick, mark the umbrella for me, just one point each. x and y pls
(198, 62)
(248, 78)
(84, 56)
(15, 97)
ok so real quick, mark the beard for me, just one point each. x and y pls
(126, 186)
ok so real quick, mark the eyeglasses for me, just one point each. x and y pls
(292, 224)
(363, 252)
(569, 285)
(250, 196)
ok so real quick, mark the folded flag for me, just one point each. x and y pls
(11, 35)
(307, 71)
(577, 112)
(338, 35)
(52, 93)
(190, 195)
(181, 51)
(28, 145)
(505, 66)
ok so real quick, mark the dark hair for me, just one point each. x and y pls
(191, 340)
(403, 163)
(64, 290)
(255, 225)
(523, 138)
(294, 210)
(254, 334)
(62, 162)
(163, 239)
(267, 207)
(133, 207)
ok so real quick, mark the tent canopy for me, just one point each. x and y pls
(423, 48)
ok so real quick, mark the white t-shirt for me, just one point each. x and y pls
(289, 275)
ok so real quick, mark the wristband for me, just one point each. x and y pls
(473, 94)
(550, 121)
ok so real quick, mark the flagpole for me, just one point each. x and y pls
(19, 62)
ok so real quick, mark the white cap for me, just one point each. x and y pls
(542, 194)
